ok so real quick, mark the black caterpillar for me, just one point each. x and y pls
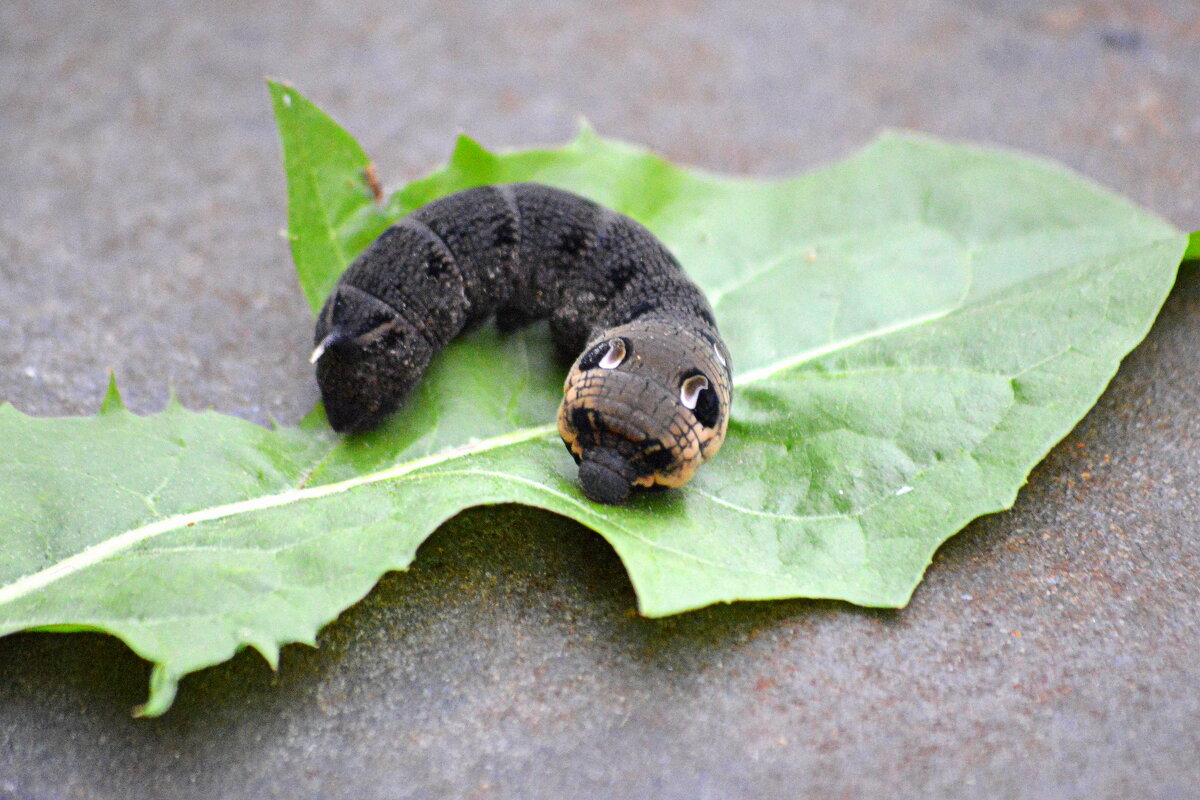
(647, 400)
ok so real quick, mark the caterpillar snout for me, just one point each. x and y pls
(606, 476)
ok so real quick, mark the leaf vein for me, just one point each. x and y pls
(102, 550)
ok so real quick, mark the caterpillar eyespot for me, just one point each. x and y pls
(690, 389)
(522, 252)
(615, 355)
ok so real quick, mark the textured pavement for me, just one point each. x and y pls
(1052, 652)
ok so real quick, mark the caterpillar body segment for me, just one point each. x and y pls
(647, 398)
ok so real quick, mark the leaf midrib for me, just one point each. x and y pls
(122, 542)
(102, 550)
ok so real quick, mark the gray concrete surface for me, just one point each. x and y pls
(1052, 652)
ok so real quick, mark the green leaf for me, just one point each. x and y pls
(332, 213)
(1193, 251)
(913, 328)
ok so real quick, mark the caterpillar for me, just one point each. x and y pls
(647, 398)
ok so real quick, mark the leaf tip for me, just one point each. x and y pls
(112, 402)
(1193, 249)
(163, 686)
(315, 420)
(283, 94)
(470, 154)
(586, 134)
(269, 650)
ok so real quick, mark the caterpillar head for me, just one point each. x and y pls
(367, 358)
(645, 405)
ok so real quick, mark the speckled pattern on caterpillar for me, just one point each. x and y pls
(647, 399)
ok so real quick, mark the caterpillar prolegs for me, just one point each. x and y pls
(647, 399)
